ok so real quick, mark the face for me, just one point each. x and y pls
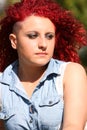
(34, 39)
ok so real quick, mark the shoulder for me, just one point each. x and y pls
(75, 75)
(75, 82)
(74, 65)
(75, 69)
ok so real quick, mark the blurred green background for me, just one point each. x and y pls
(78, 8)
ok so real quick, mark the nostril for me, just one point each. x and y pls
(43, 48)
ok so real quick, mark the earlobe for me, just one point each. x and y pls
(12, 38)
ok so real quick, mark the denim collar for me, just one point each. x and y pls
(10, 73)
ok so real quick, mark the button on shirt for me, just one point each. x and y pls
(42, 111)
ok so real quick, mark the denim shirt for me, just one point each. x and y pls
(42, 111)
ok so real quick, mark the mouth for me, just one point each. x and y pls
(41, 54)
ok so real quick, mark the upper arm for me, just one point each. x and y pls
(75, 96)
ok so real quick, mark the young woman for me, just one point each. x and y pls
(40, 90)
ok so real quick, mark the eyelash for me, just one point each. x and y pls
(49, 36)
(33, 36)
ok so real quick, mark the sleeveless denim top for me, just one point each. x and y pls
(43, 110)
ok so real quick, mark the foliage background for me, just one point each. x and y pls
(78, 8)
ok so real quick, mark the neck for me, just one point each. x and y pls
(30, 73)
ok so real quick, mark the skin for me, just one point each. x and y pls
(35, 44)
(33, 41)
(75, 97)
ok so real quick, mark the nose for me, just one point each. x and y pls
(42, 44)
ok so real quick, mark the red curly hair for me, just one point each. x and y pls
(70, 33)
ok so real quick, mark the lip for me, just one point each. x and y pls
(41, 53)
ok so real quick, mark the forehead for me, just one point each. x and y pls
(35, 22)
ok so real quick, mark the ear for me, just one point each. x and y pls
(13, 39)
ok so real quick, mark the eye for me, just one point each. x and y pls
(32, 35)
(49, 36)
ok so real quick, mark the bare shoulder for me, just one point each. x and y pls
(75, 75)
(75, 69)
(75, 66)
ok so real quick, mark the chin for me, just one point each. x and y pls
(42, 62)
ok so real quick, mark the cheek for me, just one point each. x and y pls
(52, 46)
(26, 44)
